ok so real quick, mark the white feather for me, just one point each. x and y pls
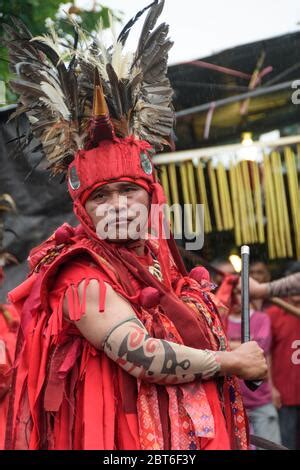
(54, 99)
(121, 61)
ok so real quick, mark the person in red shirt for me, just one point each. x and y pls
(285, 350)
(286, 371)
(286, 366)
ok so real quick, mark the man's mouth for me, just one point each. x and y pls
(120, 221)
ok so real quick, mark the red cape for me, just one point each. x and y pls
(68, 395)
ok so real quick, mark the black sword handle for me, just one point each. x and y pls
(245, 254)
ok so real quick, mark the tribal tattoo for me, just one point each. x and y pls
(157, 360)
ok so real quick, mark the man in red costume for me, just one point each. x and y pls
(119, 348)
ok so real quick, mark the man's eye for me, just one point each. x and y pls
(99, 196)
(128, 190)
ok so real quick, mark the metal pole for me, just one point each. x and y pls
(245, 333)
(245, 253)
(262, 90)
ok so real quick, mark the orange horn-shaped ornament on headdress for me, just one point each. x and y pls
(100, 126)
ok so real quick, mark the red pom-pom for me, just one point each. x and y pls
(149, 297)
(200, 274)
(63, 234)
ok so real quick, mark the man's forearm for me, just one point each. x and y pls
(157, 360)
(285, 286)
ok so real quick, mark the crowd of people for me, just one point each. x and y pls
(273, 409)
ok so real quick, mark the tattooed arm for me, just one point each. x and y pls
(156, 360)
(126, 341)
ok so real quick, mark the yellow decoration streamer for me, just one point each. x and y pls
(175, 199)
(235, 204)
(249, 202)
(293, 186)
(246, 236)
(203, 197)
(193, 193)
(215, 197)
(225, 203)
(188, 222)
(254, 199)
(281, 200)
(258, 203)
(270, 196)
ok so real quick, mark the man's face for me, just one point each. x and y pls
(226, 267)
(260, 272)
(119, 211)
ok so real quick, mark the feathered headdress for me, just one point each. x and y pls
(81, 93)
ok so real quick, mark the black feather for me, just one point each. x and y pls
(149, 24)
(122, 38)
(115, 90)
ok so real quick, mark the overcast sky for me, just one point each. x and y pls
(202, 27)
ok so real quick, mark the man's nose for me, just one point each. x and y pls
(118, 202)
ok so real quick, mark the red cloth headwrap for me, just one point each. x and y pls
(111, 160)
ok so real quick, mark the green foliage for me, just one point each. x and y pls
(34, 14)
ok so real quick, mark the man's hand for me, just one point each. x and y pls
(247, 362)
(234, 344)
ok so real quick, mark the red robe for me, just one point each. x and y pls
(68, 395)
(9, 322)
